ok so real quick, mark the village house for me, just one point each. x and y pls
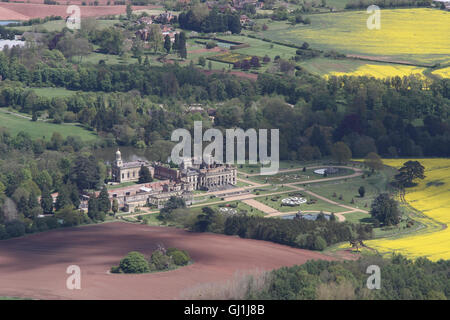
(442, 4)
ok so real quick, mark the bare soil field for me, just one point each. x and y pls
(25, 11)
(35, 266)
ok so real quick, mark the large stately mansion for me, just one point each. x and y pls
(205, 176)
(180, 182)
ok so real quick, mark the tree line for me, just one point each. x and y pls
(207, 22)
(401, 279)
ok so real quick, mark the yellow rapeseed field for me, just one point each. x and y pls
(417, 34)
(382, 71)
(444, 72)
(432, 197)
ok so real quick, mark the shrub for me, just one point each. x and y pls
(160, 261)
(52, 222)
(319, 243)
(134, 262)
(116, 269)
(3, 233)
(15, 228)
(179, 257)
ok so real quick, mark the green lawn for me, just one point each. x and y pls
(319, 205)
(241, 206)
(271, 189)
(58, 25)
(121, 185)
(95, 57)
(43, 130)
(374, 185)
(53, 92)
(295, 176)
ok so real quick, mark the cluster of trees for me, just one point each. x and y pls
(313, 235)
(300, 233)
(392, 117)
(7, 33)
(247, 64)
(401, 279)
(201, 19)
(366, 114)
(379, 115)
(385, 210)
(99, 206)
(410, 171)
(160, 260)
(363, 4)
(29, 174)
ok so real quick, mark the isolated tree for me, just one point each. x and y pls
(63, 198)
(167, 43)
(362, 191)
(145, 175)
(93, 209)
(373, 161)
(129, 11)
(176, 41)
(341, 152)
(104, 205)
(134, 262)
(137, 48)
(182, 51)
(155, 37)
(385, 210)
(85, 172)
(410, 171)
(46, 201)
(254, 62)
(115, 206)
(202, 61)
(172, 204)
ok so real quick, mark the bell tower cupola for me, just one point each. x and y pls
(118, 161)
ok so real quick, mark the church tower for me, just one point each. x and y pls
(118, 161)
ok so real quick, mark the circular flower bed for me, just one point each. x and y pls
(293, 201)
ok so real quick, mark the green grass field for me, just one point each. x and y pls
(295, 176)
(418, 35)
(58, 25)
(43, 130)
(53, 92)
(319, 205)
(373, 185)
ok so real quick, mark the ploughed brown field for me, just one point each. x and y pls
(35, 266)
(36, 9)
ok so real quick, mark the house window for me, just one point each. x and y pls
(123, 175)
(128, 174)
(134, 174)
